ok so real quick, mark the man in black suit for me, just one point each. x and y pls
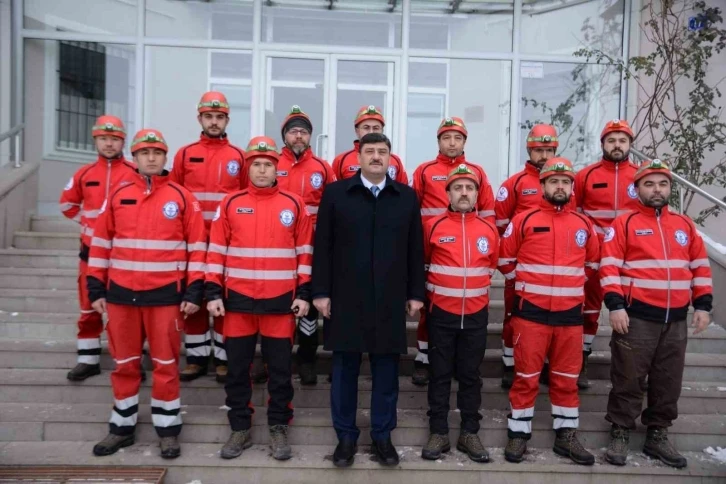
(368, 271)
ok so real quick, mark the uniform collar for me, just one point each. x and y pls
(266, 192)
(447, 160)
(356, 145)
(357, 181)
(610, 165)
(207, 141)
(531, 168)
(154, 182)
(454, 215)
(546, 206)
(304, 156)
(652, 212)
(114, 161)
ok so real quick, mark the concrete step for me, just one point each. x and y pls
(38, 278)
(18, 353)
(312, 426)
(47, 240)
(312, 464)
(51, 386)
(46, 259)
(54, 224)
(39, 300)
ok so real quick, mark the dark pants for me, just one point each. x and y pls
(307, 337)
(277, 355)
(344, 394)
(455, 351)
(653, 350)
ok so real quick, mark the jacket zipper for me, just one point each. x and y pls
(108, 179)
(464, 245)
(616, 190)
(668, 268)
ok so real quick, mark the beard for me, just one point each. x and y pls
(558, 199)
(615, 155)
(298, 149)
(656, 202)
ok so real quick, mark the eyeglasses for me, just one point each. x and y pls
(298, 131)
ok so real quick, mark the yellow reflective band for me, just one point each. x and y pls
(262, 146)
(451, 122)
(108, 127)
(149, 138)
(213, 104)
(542, 139)
(559, 166)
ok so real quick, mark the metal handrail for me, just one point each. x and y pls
(683, 182)
(16, 131)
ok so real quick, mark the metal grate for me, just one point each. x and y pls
(82, 474)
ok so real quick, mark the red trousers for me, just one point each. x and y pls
(237, 325)
(533, 342)
(422, 337)
(593, 305)
(162, 326)
(198, 338)
(507, 333)
(90, 323)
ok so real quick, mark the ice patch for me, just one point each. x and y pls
(14, 314)
(719, 453)
(195, 481)
(722, 389)
(225, 407)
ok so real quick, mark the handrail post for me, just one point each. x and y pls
(680, 199)
(17, 150)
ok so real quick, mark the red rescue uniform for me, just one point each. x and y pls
(306, 176)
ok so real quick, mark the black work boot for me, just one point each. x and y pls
(507, 377)
(515, 449)
(582, 382)
(658, 446)
(112, 443)
(170, 447)
(281, 449)
(544, 376)
(568, 445)
(237, 442)
(436, 445)
(470, 444)
(308, 375)
(420, 375)
(82, 371)
(192, 372)
(617, 452)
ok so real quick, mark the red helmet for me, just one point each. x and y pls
(463, 171)
(649, 167)
(452, 124)
(369, 112)
(213, 101)
(262, 146)
(296, 113)
(148, 138)
(109, 126)
(617, 125)
(557, 166)
(542, 136)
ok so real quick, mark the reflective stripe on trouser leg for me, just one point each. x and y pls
(565, 366)
(89, 351)
(519, 422)
(90, 323)
(220, 351)
(198, 339)
(124, 415)
(507, 355)
(308, 327)
(198, 345)
(422, 336)
(587, 340)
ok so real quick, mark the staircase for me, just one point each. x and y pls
(47, 420)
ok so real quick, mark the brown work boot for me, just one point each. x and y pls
(436, 445)
(82, 371)
(281, 449)
(507, 377)
(192, 372)
(470, 444)
(582, 382)
(515, 449)
(112, 443)
(420, 375)
(237, 442)
(617, 452)
(221, 373)
(658, 446)
(568, 445)
(170, 447)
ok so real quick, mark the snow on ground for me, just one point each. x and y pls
(718, 454)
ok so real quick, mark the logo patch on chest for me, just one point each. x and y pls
(631, 191)
(482, 245)
(643, 231)
(609, 234)
(170, 210)
(287, 217)
(581, 237)
(316, 180)
(447, 239)
(681, 238)
(439, 178)
(245, 210)
(392, 172)
(233, 167)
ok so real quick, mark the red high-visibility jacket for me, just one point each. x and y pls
(210, 168)
(260, 251)
(518, 193)
(654, 264)
(149, 245)
(549, 251)
(346, 165)
(429, 183)
(86, 191)
(306, 177)
(604, 191)
(460, 253)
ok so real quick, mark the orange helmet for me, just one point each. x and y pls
(462, 172)
(649, 167)
(262, 146)
(296, 113)
(213, 101)
(148, 138)
(369, 112)
(557, 166)
(452, 124)
(109, 126)
(542, 136)
(617, 125)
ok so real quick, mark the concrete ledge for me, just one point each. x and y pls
(18, 198)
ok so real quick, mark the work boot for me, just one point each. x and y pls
(515, 449)
(192, 372)
(112, 443)
(82, 371)
(582, 382)
(617, 452)
(278, 442)
(544, 376)
(658, 446)
(437, 445)
(237, 442)
(507, 377)
(420, 375)
(470, 444)
(568, 445)
(307, 373)
(170, 447)
(220, 373)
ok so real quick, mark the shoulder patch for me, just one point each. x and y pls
(508, 231)
(502, 194)
(609, 234)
